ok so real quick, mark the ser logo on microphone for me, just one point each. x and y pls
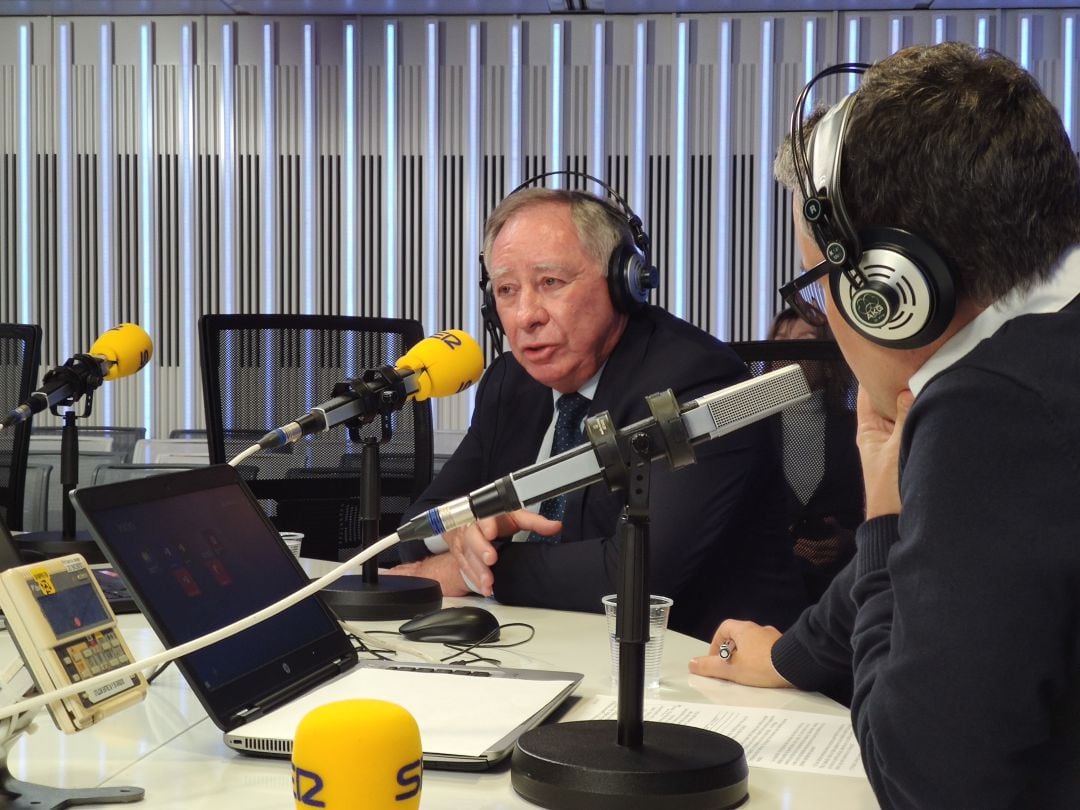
(409, 776)
(454, 342)
(449, 338)
(307, 785)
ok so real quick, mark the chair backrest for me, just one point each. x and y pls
(263, 371)
(20, 356)
(159, 451)
(821, 461)
(111, 473)
(119, 440)
(89, 461)
(188, 433)
(97, 446)
(36, 496)
(51, 443)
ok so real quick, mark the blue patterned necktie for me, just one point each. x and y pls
(571, 409)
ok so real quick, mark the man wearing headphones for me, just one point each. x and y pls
(568, 278)
(955, 631)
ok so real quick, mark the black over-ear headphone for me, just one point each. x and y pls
(630, 273)
(892, 287)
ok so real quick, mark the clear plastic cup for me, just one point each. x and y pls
(659, 609)
(293, 541)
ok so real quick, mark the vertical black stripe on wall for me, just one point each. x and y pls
(407, 264)
(9, 276)
(701, 294)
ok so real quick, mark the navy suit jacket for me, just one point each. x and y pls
(718, 541)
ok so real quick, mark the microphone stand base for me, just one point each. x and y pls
(580, 766)
(392, 597)
(18, 795)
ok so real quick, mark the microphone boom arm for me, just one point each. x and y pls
(670, 433)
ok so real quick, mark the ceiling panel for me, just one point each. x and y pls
(123, 8)
(111, 8)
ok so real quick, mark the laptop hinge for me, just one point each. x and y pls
(270, 702)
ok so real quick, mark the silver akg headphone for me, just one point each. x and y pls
(631, 275)
(890, 285)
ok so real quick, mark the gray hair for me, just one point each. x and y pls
(601, 227)
(784, 163)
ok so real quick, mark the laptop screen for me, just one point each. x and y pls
(198, 553)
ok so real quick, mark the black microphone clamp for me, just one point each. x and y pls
(378, 392)
(79, 375)
(663, 436)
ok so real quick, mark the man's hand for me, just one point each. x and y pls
(878, 438)
(472, 546)
(749, 659)
(442, 568)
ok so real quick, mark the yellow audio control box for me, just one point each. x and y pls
(66, 633)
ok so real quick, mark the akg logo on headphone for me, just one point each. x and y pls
(870, 307)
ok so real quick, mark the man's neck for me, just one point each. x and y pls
(966, 312)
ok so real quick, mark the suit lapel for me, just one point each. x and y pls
(611, 395)
(527, 415)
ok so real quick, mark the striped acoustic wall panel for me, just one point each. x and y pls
(155, 169)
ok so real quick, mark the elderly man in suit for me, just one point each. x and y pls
(563, 276)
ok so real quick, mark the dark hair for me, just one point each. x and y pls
(789, 315)
(833, 376)
(961, 147)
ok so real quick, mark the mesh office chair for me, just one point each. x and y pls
(111, 473)
(20, 356)
(264, 371)
(188, 433)
(120, 441)
(98, 446)
(816, 440)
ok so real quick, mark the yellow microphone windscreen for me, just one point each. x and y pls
(451, 361)
(127, 346)
(357, 754)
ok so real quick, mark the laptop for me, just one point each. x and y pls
(198, 553)
(112, 584)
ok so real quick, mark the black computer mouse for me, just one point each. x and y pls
(463, 625)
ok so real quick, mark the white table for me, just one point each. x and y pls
(169, 747)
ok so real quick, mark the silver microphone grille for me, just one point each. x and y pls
(738, 405)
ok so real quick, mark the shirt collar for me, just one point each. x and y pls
(1049, 296)
(587, 389)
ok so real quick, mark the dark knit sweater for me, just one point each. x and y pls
(957, 625)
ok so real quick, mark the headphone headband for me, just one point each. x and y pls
(633, 221)
(817, 169)
(630, 273)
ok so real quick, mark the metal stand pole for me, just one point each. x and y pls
(69, 473)
(367, 595)
(40, 545)
(629, 764)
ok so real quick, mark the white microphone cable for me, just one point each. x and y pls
(196, 644)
